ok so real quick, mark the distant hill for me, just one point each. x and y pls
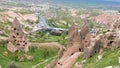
(99, 4)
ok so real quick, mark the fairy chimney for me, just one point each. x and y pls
(95, 47)
(71, 34)
(17, 37)
(79, 40)
(85, 36)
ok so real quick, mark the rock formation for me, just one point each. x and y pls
(82, 43)
(17, 40)
(68, 61)
(91, 50)
(72, 34)
(85, 36)
(78, 41)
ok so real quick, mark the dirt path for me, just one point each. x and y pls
(3, 38)
(50, 44)
(43, 62)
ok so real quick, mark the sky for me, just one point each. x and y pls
(112, 0)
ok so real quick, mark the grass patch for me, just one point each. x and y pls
(110, 58)
(39, 54)
(3, 10)
(24, 12)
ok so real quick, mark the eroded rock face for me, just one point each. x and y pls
(17, 38)
(82, 42)
(107, 19)
(95, 46)
(78, 41)
(113, 40)
(11, 47)
(52, 64)
(116, 25)
(107, 40)
(61, 52)
(73, 35)
(85, 36)
(67, 62)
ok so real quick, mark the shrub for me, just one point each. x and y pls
(12, 65)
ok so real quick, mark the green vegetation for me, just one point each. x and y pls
(3, 10)
(63, 39)
(45, 37)
(39, 54)
(13, 65)
(5, 29)
(24, 12)
(110, 58)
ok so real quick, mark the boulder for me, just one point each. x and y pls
(99, 57)
(83, 61)
(5, 53)
(29, 58)
(78, 65)
(21, 59)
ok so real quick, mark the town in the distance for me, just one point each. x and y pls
(59, 34)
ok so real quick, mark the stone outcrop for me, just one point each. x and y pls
(78, 41)
(61, 52)
(52, 64)
(78, 65)
(107, 19)
(73, 35)
(85, 36)
(17, 40)
(82, 43)
(68, 61)
(91, 50)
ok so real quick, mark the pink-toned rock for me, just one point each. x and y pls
(79, 40)
(78, 65)
(73, 32)
(52, 64)
(17, 40)
(107, 19)
(29, 58)
(67, 62)
(11, 47)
